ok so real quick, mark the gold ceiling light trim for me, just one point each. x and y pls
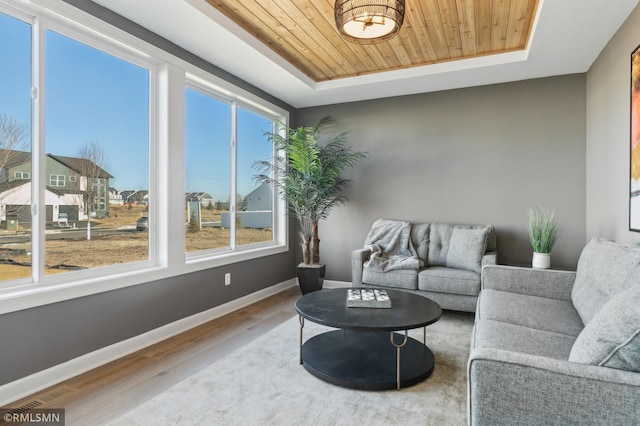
(369, 21)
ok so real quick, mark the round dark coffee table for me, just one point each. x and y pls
(365, 353)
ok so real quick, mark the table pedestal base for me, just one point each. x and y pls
(366, 360)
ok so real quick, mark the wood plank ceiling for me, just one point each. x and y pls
(303, 32)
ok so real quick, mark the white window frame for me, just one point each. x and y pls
(54, 180)
(22, 175)
(168, 77)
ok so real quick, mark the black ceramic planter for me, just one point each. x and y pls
(310, 277)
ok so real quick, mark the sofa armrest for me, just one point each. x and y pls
(490, 258)
(358, 257)
(507, 388)
(548, 283)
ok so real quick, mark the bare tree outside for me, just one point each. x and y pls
(13, 138)
(93, 179)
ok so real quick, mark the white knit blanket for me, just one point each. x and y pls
(391, 246)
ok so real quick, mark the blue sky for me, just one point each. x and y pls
(94, 97)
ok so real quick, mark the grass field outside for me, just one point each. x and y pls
(108, 247)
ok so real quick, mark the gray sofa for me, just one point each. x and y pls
(452, 256)
(559, 347)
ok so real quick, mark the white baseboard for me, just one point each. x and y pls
(33, 383)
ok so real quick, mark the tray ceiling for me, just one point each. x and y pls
(304, 33)
(566, 37)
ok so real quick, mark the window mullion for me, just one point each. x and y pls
(234, 175)
(171, 157)
(38, 186)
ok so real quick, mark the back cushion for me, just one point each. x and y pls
(420, 240)
(439, 238)
(605, 268)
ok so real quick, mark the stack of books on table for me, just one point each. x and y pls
(367, 298)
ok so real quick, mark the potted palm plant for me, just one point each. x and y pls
(308, 176)
(543, 233)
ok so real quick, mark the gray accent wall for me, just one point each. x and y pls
(608, 136)
(48, 335)
(481, 155)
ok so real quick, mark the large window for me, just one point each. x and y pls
(222, 143)
(97, 128)
(255, 203)
(207, 148)
(15, 149)
(93, 143)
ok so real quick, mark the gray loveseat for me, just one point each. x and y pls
(559, 347)
(452, 257)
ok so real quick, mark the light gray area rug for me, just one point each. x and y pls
(263, 384)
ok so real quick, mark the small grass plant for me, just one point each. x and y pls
(543, 229)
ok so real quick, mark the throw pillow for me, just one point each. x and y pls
(612, 337)
(466, 248)
(604, 269)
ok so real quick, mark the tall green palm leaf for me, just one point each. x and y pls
(309, 177)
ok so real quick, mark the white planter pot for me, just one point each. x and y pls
(541, 260)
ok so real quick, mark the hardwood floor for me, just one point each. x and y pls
(102, 394)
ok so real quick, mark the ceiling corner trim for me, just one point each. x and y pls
(257, 46)
(427, 70)
(534, 25)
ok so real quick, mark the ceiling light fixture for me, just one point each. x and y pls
(368, 21)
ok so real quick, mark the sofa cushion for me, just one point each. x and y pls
(420, 240)
(541, 313)
(448, 280)
(399, 278)
(439, 237)
(604, 269)
(466, 248)
(612, 337)
(516, 338)
(451, 301)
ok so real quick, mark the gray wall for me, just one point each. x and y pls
(49, 335)
(52, 334)
(608, 136)
(477, 155)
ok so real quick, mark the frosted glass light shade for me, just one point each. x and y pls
(368, 21)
